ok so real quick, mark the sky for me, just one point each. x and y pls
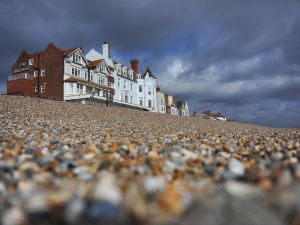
(241, 58)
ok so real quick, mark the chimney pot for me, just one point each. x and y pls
(135, 65)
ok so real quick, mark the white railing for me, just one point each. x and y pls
(19, 76)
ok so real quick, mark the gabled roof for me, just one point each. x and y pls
(93, 55)
(69, 51)
(181, 104)
(150, 73)
(63, 51)
(95, 63)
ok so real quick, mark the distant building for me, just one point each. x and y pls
(171, 105)
(209, 115)
(160, 101)
(183, 108)
(147, 90)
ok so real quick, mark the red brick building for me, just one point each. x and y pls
(43, 74)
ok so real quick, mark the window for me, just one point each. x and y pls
(71, 87)
(122, 97)
(131, 86)
(102, 70)
(125, 71)
(149, 91)
(161, 101)
(43, 72)
(85, 75)
(140, 88)
(126, 98)
(80, 89)
(76, 72)
(131, 74)
(43, 89)
(76, 58)
(131, 99)
(35, 89)
(104, 94)
(125, 84)
(118, 82)
(30, 62)
(149, 104)
(141, 101)
(102, 80)
(35, 73)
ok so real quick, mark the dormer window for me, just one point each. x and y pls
(139, 76)
(30, 62)
(119, 69)
(131, 74)
(77, 58)
(125, 71)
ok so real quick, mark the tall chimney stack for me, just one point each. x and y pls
(106, 50)
(135, 65)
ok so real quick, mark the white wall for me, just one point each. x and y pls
(160, 102)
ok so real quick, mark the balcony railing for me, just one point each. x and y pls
(20, 76)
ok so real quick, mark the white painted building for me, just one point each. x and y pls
(147, 90)
(183, 108)
(160, 101)
(131, 88)
(84, 80)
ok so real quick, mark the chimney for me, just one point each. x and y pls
(135, 65)
(106, 50)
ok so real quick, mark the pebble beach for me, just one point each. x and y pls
(65, 163)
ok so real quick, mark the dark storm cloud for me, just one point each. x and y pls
(238, 57)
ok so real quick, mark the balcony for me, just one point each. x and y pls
(20, 76)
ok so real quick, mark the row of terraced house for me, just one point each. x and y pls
(92, 78)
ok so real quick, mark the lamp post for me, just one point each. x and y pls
(109, 98)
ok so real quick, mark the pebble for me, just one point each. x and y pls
(106, 189)
(103, 210)
(236, 167)
(154, 184)
(80, 164)
(13, 216)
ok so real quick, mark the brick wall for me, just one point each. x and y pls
(52, 61)
(22, 87)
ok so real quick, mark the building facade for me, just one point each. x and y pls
(171, 106)
(58, 74)
(183, 108)
(160, 101)
(92, 78)
(131, 88)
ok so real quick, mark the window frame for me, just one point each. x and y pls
(31, 62)
(43, 72)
